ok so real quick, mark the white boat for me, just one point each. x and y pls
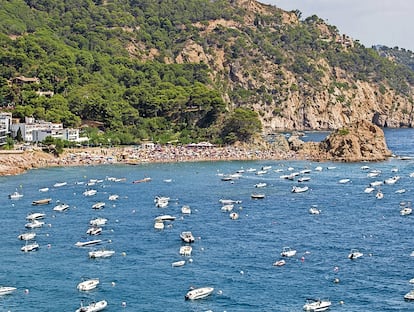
(344, 181)
(229, 201)
(159, 225)
(165, 218)
(103, 253)
(409, 296)
(317, 305)
(94, 230)
(178, 263)
(27, 236)
(392, 180)
(98, 205)
(261, 184)
(98, 221)
(88, 243)
(59, 184)
(227, 208)
(186, 250)
(369, 190)
(35, 224)
(318, 168)
(44, 189)
(288, 252)
(5, 290)
(411, 281)
(93, 307)
(15, 195)
(35, 216)
(199, 293)
(185, 209)
(406, 211)
(298, 189)
(400, 191)
(314, 210)
(355, 254)
(89, 192)
(257, 196)
(376, 183)
(113, 197)
(251, 170)
(30, 247)
(261, 172)
(187, 237)
(88, 284)
(279, 263)
(304, 179)
(61, 207)
(234, 215)
(379, 195)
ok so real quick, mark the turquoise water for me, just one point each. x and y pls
(233, 256)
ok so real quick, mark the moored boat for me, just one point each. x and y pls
(27, 236)
(15, 195)
(88, 243)
(199, 293)
(30, 247)
(103, 253)
(288, 252)
(88, 284)
(93, 307)
(43, 201)
(61, 207)
(187, 237)
(317, 305)
(5, 290)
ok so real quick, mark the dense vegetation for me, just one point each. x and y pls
(113, 64)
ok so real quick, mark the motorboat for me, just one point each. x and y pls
(229, 201)
(27, 236)
(379, 195)
(304, 179)
(35, 216)
(103, 253)
(257, 196)
(88, 284)
(186, 250)
(34, 224)
(187, 237)
(161, 201)
(113, 197)
(314, 210)
(261, 184)
(317, 305)
(89, 192)
(60, 184)
(279, 263)
(165, 218)
(30, 247)
(234, 215)
(94, 230)
(147, 179)
(88, 243)
(44, 189)
(61, 207)
(227, 208)
(406, 211)
(409, 295)
(185, 209)
(98, 205)
(44, 201)
(15, 195)
(98, 221)
(298, 189)
(178, 263)
(93, 307)
(159, 225)
(199, 293)
(288, 252)
(355, 254)
(369, 190)
(6, 290)
(392, 180)
(344, 181)
(376, 183)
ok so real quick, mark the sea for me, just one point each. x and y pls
(235, 257)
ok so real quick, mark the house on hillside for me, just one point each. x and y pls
(5, 126)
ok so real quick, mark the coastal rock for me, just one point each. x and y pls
(360, 141)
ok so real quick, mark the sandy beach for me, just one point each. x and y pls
(17, 162)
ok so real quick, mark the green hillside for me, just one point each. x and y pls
(172, 69)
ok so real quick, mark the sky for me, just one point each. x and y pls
(386, 22)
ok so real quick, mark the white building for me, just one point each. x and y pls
(5, 126)
(37, 131)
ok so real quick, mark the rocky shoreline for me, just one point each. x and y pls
(361, 141)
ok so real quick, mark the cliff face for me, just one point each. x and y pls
(321, 95)
(359, 141)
